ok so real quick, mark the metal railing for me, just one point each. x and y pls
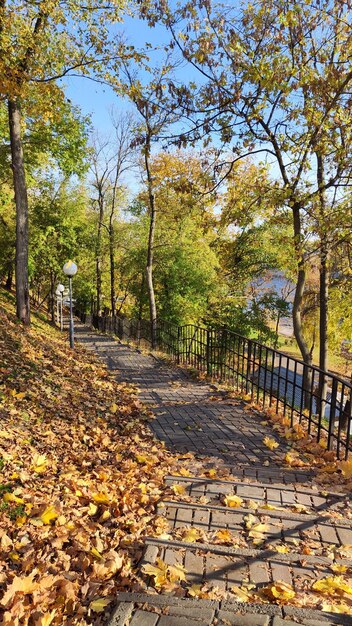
(318, 400)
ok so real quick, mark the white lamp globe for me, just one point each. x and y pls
(70, 269)
(60, 288)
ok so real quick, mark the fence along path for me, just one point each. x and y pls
(318, 400)
(190, 416)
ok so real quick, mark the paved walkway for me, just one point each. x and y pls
(194, 416)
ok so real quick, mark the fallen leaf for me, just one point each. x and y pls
(100, 604)
(270, 443)
(233, 501)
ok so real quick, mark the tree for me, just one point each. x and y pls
(186, 268)
(156, 115)
(275, 80)
(40, 42)
(111, 158)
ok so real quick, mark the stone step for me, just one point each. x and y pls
(226, 569)
(276, 494)
(310, 533)
(140, 609)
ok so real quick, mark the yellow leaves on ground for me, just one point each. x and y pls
(279, 591)
(20, 585)
(75, 500)
(242, 593)
(233, 501)
(333, 586)
(165, 576)
(270, 443)
(293, 460)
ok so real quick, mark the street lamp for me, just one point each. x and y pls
(59, 293)
(70, 269)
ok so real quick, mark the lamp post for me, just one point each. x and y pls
(70, 269)
(59, 293)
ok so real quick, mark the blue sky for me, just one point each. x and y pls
(96, 100)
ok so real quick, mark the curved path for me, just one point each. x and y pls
(193, 416)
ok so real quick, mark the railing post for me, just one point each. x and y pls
(249, 354)
(208, 352)
(332, 411)
(178, 344)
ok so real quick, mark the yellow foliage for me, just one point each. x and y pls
(99, 605)
(49, 514)
(233, 501)
(332, 586)
(10, 497)
(346, 468)
(270, 443)
(179, 490)
(279, 591)
(192, 535)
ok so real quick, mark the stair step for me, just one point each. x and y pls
(225, 568)
(320, 534)
(277, 494)
(141, 609)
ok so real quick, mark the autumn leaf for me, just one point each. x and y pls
(241, 593)
(24, 585)
(233, 501)
(101, 498)
(158, 572)
(279, 591)
(10, 497)
(49, 514)
(39, 463)
(282, 549)
(192, 535)
(270, 443)
(179, 490)
(332, 585)
(224, 535)
(46, 620)
(195, 591)
(99, 605)
(346, 468)
(176, 572)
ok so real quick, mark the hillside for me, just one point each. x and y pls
(80, 478)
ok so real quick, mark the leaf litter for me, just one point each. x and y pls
(81, 476)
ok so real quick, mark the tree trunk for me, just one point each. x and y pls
(9, 279)
(297, 305)
(150, 252)
(52, 297)
(112, 263)
(21, 200)
(98, 252)
(323, 288)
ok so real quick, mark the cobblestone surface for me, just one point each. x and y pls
(192, 416)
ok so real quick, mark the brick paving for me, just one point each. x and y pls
(193, 416)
